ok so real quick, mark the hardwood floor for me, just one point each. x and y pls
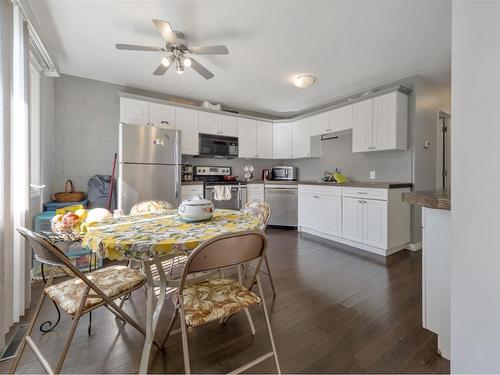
(337, 310)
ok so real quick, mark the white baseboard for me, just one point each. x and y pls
(414, 246)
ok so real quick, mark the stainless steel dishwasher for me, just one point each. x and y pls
(282, 198)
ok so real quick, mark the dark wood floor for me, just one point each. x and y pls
(338, 310)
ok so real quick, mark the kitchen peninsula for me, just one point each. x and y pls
(436, 262)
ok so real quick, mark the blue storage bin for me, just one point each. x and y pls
(53, 205)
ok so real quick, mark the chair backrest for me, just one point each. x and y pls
(51, 254)
(226, 251)
(149, 207)
(41, 247)
(260, 209)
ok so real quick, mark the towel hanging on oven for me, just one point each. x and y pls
(222, 192)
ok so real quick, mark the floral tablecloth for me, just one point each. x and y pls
(140, 237)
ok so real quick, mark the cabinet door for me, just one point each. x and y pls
(320, 124)
(384, 121)
(282, 140)
(264, 143)
(308, 205)
(341, 119)
(301, 136)
(209, 123)
(352, 219)
(375, 223)
(186, 120)
(229, 126)
(362, 135)
(162, 115)
(329, 215)
(246, 138)
(134, 112)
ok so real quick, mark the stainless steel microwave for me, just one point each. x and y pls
(284, 173)
(217, 146)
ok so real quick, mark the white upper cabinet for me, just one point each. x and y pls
(229, 126)
(301, 136)
(381, 123)
(320, 124)
(390, 122)
(362, 129)
(264, 140)
(209, 123)
(162, 115)
(341, 119)
(247, 138)
(282, 140)
(186, 120)
(213, 123)
(135, 112)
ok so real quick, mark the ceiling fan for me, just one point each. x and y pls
(176, 50)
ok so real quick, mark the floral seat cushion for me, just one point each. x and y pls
(149, 207)
(215, 299)
(113, 281)
(258, 209)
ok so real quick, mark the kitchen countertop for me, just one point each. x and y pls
(192, 183)
(440, 199)
(367, 184)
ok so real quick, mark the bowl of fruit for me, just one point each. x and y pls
(72, 224)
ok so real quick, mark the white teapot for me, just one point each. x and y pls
(196, 209)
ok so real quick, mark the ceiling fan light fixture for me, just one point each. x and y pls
(303, 80)
(187, 62)
(165, 61)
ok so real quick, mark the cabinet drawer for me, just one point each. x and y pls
(370, 193)
(192, 189)
(255, 187)
(320, 190)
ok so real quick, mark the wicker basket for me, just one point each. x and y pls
(69, 195)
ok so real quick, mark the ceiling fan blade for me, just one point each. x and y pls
(161, 70)
(165, 30)
(209, 50)
(132, 47)
(204, 72)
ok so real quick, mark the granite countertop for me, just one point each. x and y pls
(367, 184)
(362, 184)
(440, 199)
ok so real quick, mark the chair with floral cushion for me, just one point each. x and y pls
(150, 207)
(263, 212)
(208, 300)
(77, 296)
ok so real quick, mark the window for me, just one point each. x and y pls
(34, 119)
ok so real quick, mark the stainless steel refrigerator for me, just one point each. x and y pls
(149, 165)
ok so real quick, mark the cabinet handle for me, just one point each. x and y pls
(362, 192)
(315, 196)
(164, 122)
(360, 201)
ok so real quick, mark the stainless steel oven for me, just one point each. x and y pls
(217, 146)
(237, 201)
(284, 173)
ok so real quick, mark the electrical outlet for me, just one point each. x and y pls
(372, 175)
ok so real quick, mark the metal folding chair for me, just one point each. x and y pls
(77, 296)
(263, 212)
(215, 299)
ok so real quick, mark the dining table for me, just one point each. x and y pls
(153, 238)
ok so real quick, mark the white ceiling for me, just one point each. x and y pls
(350, 45)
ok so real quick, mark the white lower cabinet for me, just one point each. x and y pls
(321, 210)
(348, 215)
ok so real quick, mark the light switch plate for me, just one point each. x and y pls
(372, 175)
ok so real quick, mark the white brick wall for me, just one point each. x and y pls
(86, 127)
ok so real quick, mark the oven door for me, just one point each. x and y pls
(237, 201)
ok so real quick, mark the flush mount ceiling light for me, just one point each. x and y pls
(303, 80)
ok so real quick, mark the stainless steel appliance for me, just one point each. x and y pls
(217, 146)
(212, 176)
(149, 165)
(284, 173)
(282, 198)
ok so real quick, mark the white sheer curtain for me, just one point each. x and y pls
(14, 173)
